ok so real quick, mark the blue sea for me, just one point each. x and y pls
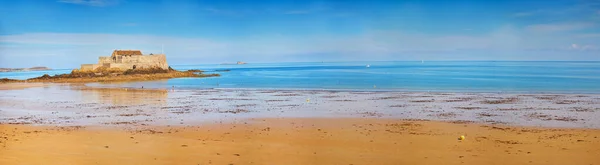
(463, 76)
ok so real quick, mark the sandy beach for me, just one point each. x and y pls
(74, 124)
(300, 141)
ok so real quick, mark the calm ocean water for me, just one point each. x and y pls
(570, 77)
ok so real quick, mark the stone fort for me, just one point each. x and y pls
(129, 59)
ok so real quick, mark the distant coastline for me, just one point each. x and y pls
(238, 63)
(37, 68)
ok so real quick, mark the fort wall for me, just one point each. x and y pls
(125, 62)
(102, 60)
(89, 66)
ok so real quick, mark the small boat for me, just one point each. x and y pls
(368, 65)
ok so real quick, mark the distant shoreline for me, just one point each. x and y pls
(38, 68)
(238, 63)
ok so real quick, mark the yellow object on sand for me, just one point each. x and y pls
(462, 137)
(307, 100)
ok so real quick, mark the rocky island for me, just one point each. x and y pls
(37, 68)
(122, 65)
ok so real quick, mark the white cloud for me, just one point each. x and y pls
(371, 44)
(291, 12)
(582, 47)
(96, 3)
(374, 42)
(558, 27)
(574, 46)
(73, 49)
(589, 35)
(129, 24)
(100, 39)
(215, 10)
(313, 8)
(581, 7)
(524, 14)
(226, 12)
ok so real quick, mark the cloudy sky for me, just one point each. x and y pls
(66, 33)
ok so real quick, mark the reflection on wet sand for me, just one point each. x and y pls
(131, 85)
(82, 104)
(125, 96)
(12, 86)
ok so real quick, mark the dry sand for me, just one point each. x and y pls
(300, 141)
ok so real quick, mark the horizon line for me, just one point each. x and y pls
(377, 61)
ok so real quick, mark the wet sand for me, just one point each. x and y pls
(77, 105)
(66, 124)
(12, 86)
(300, 141)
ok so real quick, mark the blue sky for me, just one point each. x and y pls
(66, 33)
